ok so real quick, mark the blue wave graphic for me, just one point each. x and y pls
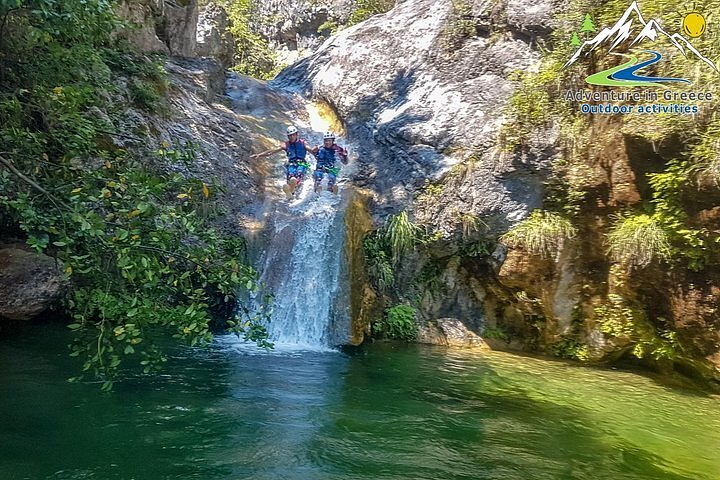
(628, 74)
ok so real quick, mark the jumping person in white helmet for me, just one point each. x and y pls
(296, 150)
(326, 155)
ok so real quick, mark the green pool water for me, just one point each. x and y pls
(388, 412)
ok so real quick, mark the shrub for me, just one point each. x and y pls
(365, 9)
(570, 347)
(402, 234)
(495, 333)
(136, 242)
(542, 233)
(637, 240)
(143, 261)
(399, 323)
(253, 56)
(377, 261)
(617, 319)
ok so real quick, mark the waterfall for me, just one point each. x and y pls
(301, 266)
(302, 263)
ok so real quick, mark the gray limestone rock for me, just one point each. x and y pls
(213, 38)
(449, 332)
(437, 97)
(292, 28)
(179, 27)
(160, 26)
(29, 283)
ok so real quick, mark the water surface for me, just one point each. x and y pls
(390, 412)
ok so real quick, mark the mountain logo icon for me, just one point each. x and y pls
(630, 31)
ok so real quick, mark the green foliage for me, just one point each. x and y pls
(365, 9)
(495, 333)
(141, 259)
(135, 241)
(470, 224)
(669, 188)
(637, 240)
(542, 233)
(615, 318)
(329, 27)
(399, 323)
(532, 106)
(570, 347)
(619, 320)
(459, 27)
(705, 153)
(253, 56)
(430, 277)
(567, 187)
(431, 192)
(662, 346)
(402, 234)
(47, 24)
(378, 261)
(384, 248)
(144, 95)
(480, 248)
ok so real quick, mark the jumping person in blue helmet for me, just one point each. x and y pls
(326, 155)
(296, 150)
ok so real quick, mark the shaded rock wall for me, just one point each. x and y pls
(213, 38)
(292, 28)
(160, 25)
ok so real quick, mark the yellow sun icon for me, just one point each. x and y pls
(694, 23)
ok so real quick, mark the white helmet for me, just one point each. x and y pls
(291, 130)
(329, 134)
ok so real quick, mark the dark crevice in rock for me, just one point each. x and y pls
(645, 158)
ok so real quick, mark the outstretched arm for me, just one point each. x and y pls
(266, 153)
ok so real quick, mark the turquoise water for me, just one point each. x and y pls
(390, 412)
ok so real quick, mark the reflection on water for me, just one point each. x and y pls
(389, 412)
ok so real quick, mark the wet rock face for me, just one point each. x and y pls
(423, 89)
(437, 96)
(29, 283)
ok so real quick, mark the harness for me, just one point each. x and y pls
(326, 158)
(296, 151)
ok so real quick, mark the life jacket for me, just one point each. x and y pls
(296, 151)
(326, 156)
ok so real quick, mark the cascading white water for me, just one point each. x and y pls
(301, 267)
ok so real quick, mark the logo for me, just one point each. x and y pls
(631, 30)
